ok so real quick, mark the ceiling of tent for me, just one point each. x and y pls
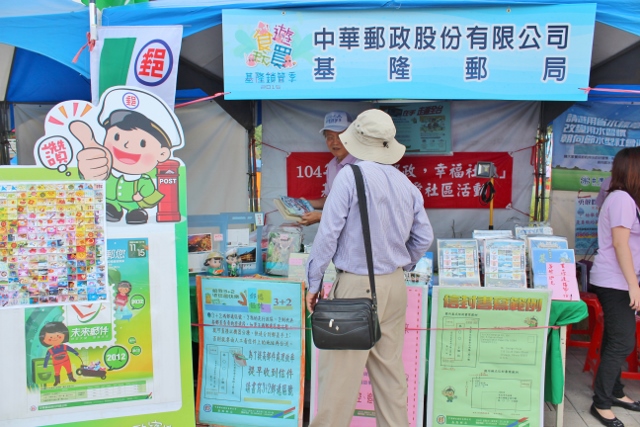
(47, 34)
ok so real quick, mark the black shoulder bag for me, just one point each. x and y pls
(349, 323)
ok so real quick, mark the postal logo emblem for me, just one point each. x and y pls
(154, 63)
(130, 100)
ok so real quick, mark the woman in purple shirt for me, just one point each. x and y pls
(614, 276)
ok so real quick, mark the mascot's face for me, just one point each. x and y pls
(134, 151)
(53, 338)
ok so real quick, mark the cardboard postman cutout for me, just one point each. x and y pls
(128, 141)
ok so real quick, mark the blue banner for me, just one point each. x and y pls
(586, 137)
(511, 53)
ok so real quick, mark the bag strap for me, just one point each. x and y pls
(364, 218)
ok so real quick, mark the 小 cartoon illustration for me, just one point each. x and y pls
(54, 335)
(449, 393)
(214, 262)
(233, 263)
(531, 321)
(134, 145)
(239, 358)
(121, 300)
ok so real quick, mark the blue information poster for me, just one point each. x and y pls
(251, 352)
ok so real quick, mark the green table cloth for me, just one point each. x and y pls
(562, 313)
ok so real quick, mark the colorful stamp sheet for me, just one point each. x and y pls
(52, 243)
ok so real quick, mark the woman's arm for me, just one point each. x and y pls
(620, 236)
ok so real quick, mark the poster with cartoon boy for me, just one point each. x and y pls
(124, 141)
(54, 335)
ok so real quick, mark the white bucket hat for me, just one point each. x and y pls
(372, 137)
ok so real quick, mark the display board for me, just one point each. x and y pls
(481, 52)
(96, 361)
(252, 352)
(413, 358)
(487, 353)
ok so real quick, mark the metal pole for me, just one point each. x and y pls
(491, 206)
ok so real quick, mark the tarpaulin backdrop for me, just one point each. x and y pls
(445, 181)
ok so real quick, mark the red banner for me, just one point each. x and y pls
(445, 181)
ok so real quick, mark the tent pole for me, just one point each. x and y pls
(5, 130)
(93, 26)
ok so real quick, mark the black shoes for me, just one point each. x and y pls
(113, 214)
(136, 216)
(608, 422)
(631, 406)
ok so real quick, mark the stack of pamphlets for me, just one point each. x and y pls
(545, 249)
(522, 232)
(482, 235)
(458, 262)
(291, 208)
(505, 263)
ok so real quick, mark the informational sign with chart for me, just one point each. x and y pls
(251, 352)
(487, 354)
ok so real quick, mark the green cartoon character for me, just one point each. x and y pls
(234, 269)
(140, 134)
(449, 393)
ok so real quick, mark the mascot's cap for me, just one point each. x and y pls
(121, 99)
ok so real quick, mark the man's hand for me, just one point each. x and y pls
(94, 161)
(310, 218)
(634, 296)
(137, 197)
(312, 299)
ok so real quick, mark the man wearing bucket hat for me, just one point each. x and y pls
(140, 133)
(400, 235)
(335, 122)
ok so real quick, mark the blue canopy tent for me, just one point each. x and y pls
(44, 36)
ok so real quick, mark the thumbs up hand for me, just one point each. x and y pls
(94, 161)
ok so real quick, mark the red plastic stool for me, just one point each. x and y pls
(593, 307)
